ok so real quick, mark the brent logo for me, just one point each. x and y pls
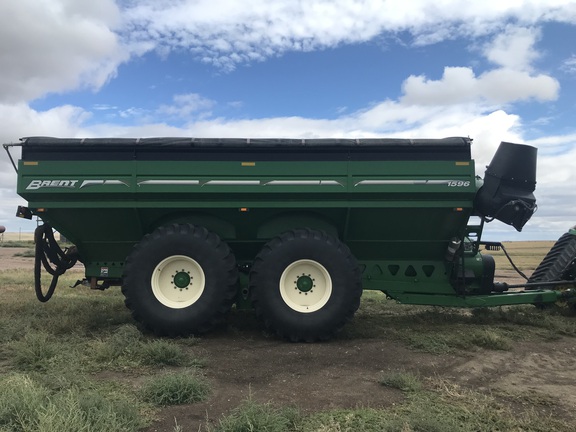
(37, 184)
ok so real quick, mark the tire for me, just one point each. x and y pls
(305, 285)
(180, 280)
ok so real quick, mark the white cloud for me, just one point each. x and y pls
(185, 105)
(460, 85)
(514, 52)
(514, 48)
(226, 33)
(56, 45)
(569, 65)
(61, 45)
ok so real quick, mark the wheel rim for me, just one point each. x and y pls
(178, 281)
(305, 286)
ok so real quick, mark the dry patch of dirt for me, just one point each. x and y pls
(345, 374)
(9, 259)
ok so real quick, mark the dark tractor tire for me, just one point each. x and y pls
(180, 280)
(559, 263)
(305, 285)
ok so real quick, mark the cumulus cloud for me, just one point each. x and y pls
(514, 48)
(61, 45)
(513, 52)
(56, 45)
(499, 86)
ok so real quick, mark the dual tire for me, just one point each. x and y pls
(182, 279)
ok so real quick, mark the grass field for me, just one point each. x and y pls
(79, 363)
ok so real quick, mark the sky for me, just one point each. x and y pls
(492, 70)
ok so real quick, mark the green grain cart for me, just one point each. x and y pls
(295, 228)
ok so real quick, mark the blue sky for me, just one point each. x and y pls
(490, 70)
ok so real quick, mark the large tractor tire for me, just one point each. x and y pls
(180, 280)
(305, 285)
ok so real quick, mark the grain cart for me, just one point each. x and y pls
(298, 228)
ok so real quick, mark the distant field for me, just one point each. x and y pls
(526, 255)
(15, 236)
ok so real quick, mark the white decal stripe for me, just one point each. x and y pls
(87, 183)
(303, 183)
(232, 183)
(241, 183)
(169, 182)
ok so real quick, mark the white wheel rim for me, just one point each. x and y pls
(305, 286)
(178, 281)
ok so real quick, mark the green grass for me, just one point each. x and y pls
(70, 364)
(78, 363)
(401, 380)
(436, 407)
(17, 243)
(446, 330)
(175, 388)
(28, 405)
(251, 416)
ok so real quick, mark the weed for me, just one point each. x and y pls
(162, 353)
(446, 408)
(26, 404)
(19, 399)
(253, 416)
(35, 351)
(405, 381)
(175, 389)
(490, 339)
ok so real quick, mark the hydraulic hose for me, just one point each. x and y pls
(49, 254)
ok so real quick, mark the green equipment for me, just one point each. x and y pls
(294, 228)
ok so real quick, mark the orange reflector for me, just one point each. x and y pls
(30, 163)
(248, 163)
(458, 209)
(244, 209)
(40, 210)
(462, 163)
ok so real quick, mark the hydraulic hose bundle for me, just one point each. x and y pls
(55, 260)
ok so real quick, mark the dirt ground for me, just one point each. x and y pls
(243, 361)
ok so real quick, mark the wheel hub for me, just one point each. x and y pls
(304, 283)
(182, 279)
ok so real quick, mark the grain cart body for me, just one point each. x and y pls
(297, 227)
